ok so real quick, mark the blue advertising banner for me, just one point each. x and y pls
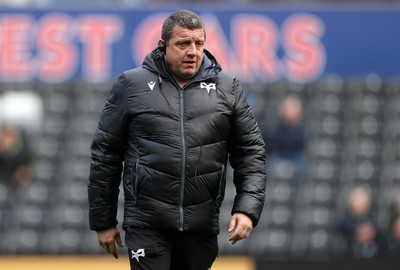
(255, 44)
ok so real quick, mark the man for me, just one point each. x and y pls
(173, 123)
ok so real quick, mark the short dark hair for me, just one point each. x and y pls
(183, 18)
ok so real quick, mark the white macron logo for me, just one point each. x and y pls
(209, 87)
(138, 253)
(151, 85)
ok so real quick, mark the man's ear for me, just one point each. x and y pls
(162, 46)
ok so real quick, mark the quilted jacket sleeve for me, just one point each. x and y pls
(247, 158)
(107, 155)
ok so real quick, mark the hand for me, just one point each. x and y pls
(107, 239)
(240, 227)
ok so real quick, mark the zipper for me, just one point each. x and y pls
(183, 145)
(183, 169)
(135, 180)
(218, 199)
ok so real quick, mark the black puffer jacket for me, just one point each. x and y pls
(172, 144)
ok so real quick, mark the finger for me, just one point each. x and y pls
(113, 251)
(238, 230)
(232, 224)
(245, 233)
(243, 236)
(239, 234)
(119, 241)
(234, 238)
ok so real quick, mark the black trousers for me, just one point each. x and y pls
(170, 250)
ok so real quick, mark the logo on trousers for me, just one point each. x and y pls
(138, 253)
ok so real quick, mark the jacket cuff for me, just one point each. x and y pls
(101, 218)
(248, 205)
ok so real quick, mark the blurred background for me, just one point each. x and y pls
(323, 78)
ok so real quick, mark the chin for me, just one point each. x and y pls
(189, 75)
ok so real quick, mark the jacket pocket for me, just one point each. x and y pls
(134, 181)
(221, 188)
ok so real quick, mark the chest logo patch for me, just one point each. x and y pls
(151, 85)
(208, 87)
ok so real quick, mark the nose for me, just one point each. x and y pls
(191, 49)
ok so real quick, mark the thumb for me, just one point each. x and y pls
(118, 240)
(232, 224)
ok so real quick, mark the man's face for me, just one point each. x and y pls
(184, 53)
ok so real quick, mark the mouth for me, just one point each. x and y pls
(189, 65)
(189, 62)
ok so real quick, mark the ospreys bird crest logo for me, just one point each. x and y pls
(138, 253)
(208, 87)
